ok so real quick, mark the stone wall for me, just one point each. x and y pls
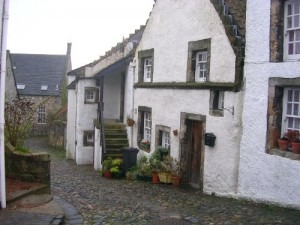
(32, 167)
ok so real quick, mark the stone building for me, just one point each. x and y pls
(11, 91)
(40, 78)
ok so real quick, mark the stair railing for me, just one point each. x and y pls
(102, 132)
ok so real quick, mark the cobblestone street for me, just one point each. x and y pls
(119, 201)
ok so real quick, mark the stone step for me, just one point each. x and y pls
(116, 135)
(116, 141)
(116, 126)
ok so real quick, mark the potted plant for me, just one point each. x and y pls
(283, 143)
(145, 145)
(155, 163)
(107, 165)
(166, 170)
(296, 146)
(130, 121)
(175, 177)
(163, 152)
(115, 169)
(144, 169)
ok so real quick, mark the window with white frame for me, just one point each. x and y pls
(198, 61)
(41, 115)
(147, 126)
(145, 65)
(147, 69)
(201, 66)
(291, 110)
(162, 136)
(88, 138)
(165, 139)
(91, 95)
(292, 30)
(144, 128)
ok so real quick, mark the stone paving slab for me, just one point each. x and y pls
(8, 217)
(121, 202)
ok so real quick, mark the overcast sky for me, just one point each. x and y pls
(93, 26)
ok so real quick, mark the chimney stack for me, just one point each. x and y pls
(69, 48)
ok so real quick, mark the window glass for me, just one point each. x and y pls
(201, 66)
(41, 115)
(291, 117)
(147, 69)
(147, 126)
(165, 139)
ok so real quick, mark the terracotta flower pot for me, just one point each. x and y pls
(296, 147)
(155, 178)
(283, 144)
(130, 122)
(107, 174)
(175, 180)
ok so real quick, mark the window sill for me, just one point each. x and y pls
(285, 154)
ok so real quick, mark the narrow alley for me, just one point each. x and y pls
(119, 201)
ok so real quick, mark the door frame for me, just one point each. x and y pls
(184, 151)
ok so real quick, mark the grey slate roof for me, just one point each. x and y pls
(35, 70)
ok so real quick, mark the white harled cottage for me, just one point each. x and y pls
(100, 98)
(271, 103)
(188, 88)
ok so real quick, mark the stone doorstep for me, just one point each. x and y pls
(36, 188)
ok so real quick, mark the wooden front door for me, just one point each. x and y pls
(195, 129)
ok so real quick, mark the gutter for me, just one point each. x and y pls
(2, 102)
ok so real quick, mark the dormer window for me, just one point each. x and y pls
(20, 86)
(44, 87)
(292, 30)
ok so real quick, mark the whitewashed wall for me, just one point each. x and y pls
(86, 113)
(172, 25)
(263, 177)
(71, 125)
(97, 150)
(111, 96)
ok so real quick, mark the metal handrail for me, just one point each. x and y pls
(101, 122)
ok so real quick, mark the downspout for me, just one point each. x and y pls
(2, 101)
(132, 65)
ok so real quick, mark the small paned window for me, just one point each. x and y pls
(144, 128)
(198, 61)
(41, 115)
(291, 112)
(147, 126)
(145, 65)
(292, 29)
(165, 139)
(201, 66)
(216, 103)
(147, 69)
(88, 138)
(91, 95)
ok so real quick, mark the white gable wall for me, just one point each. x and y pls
(263, 177)
(86, 113)
(71, 125)
(111, 96)
(172, 25)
